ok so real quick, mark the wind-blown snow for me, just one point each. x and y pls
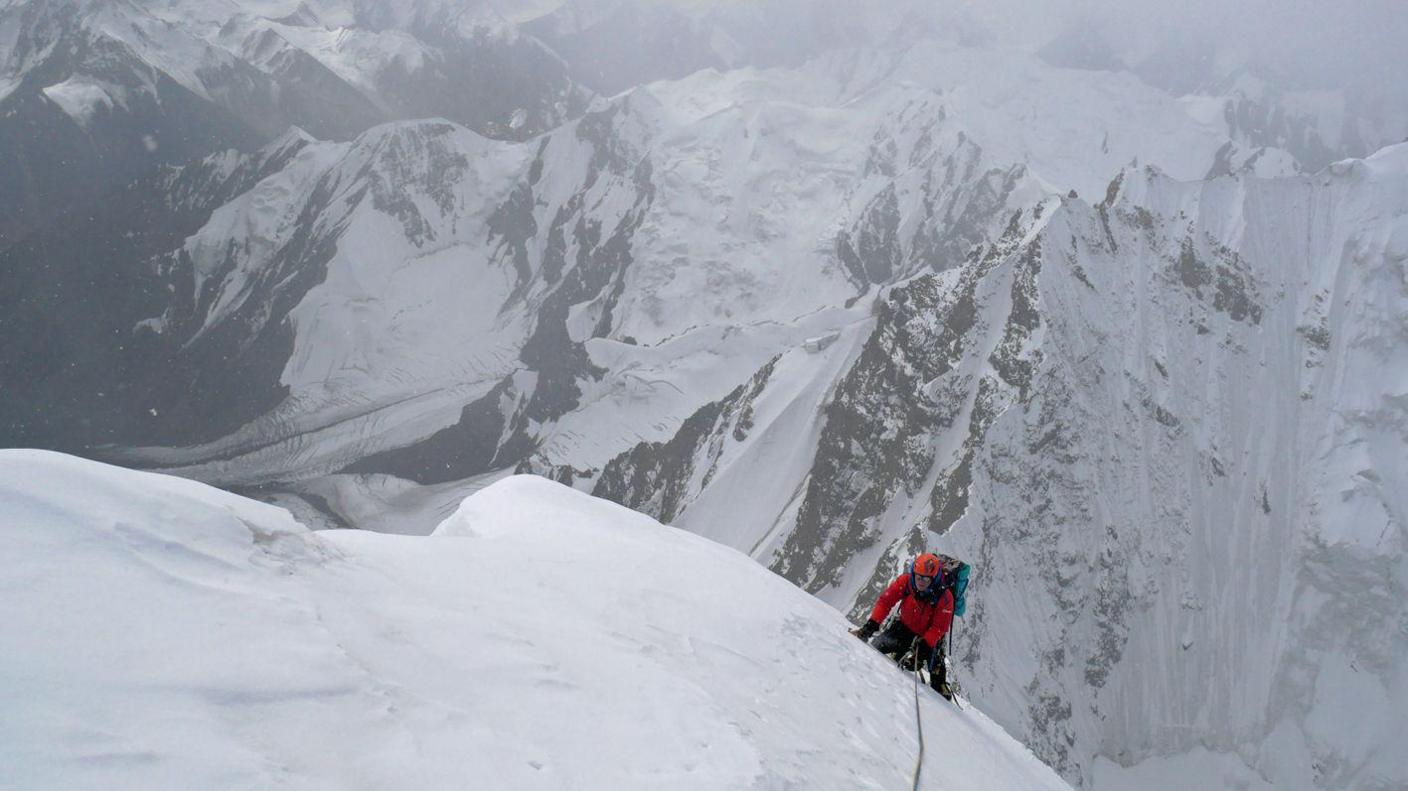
(159, 633)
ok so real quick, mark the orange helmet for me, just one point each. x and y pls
(926, 565)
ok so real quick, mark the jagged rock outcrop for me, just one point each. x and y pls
(659, 478)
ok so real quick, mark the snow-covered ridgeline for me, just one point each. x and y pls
(163, 634)
(597, 244)
(96, 93)
(349, 62)
(804, 184)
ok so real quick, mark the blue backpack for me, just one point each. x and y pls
(955, 579)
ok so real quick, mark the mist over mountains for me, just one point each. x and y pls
(1106, 298)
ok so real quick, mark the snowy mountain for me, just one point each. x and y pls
(163, 634)
(95, 93)
(1072, 409)
(1120, 325)
(899, 177)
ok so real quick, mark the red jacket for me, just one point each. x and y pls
(928, 620)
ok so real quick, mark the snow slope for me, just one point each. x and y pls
(159, 633)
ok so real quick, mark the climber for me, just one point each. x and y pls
(926, 611)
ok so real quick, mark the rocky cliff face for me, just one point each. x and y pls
(1182, 415)
(1165, 483)
(1124, 415)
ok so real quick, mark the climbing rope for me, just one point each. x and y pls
(918, 721)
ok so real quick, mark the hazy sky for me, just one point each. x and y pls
(1315, 42)
(1310, 43)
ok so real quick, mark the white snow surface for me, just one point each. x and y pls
(159, 633)
(82, 98)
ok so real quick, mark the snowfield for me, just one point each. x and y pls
(159, 633)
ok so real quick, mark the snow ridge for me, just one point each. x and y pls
(539, 639)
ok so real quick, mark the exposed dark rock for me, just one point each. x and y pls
(309, 94)
(1318, 336)
(469, 447)
(950, 495)
(598, 273)
(1265, 122)
(1051, 734)
(874, 441)
(878, 438)
(957, 221)
(1233, 292)
(513, 225)
(1112, 193)
(416, 155)
(957, 206)
(656, 477)
(1217, 467)
(1008, 358)
(876, 254)
(1113, 602)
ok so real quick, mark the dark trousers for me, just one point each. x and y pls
(895, 641)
